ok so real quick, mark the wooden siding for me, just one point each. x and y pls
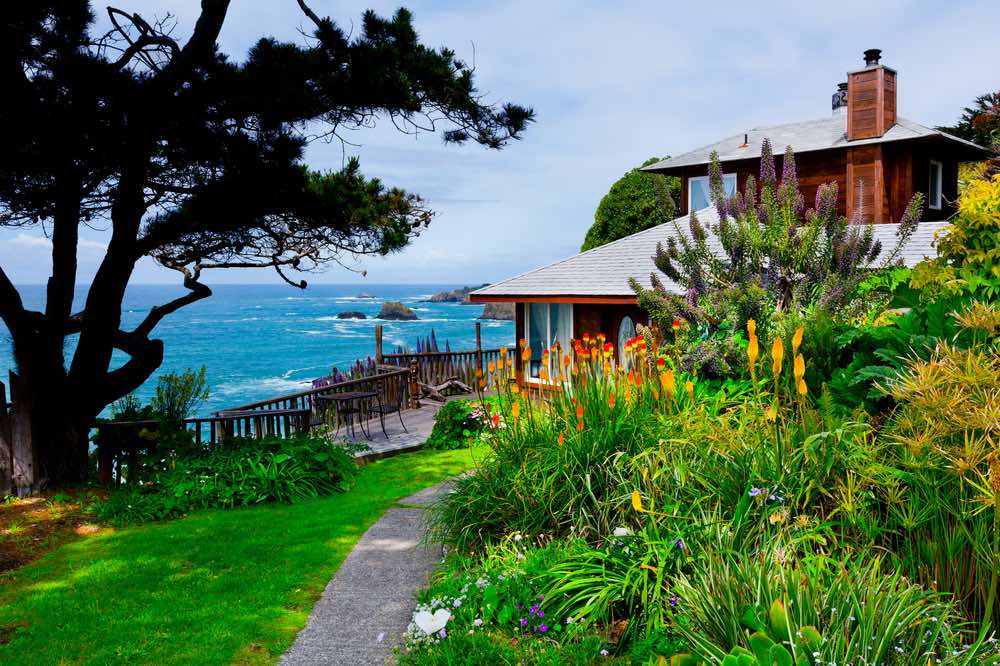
(865, 171)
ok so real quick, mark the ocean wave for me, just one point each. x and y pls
(261, 385)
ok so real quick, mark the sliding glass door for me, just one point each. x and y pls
(545, 324)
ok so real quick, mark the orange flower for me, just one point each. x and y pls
(637, 502)
(586, 338)
(579, 411)
(496, 419)
(631, 377)
(522, 343)
(777, 354)
(637, 380)
(752, 327)
(611, 401)
(579, 425)
(526, 354)
(797, 339)
(492, 368)
(803, 389)
(656, 394)
(646, 566)
(660, 363)
(561, 439)
(753, 351)
(668, 383)
(676, 325)
(515, 388)
(503, 351)
(689, 387)
(515, 411)
(482, 383)
(800, 367)
(543, 375)
(567, 360)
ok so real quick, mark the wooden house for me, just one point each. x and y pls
(876, 157)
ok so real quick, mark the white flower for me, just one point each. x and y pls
(622, 531)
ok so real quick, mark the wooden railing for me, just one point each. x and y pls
(436, 367)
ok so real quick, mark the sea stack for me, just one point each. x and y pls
(396, 311)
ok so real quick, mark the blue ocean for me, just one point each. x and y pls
(258, 341)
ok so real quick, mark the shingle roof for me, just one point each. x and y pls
(605, 270)
(821, 134)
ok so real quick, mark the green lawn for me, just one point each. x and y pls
(215, 587)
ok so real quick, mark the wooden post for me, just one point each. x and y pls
(479, 355)
(414, 384)
(378, 344)
(6, 450)
(24, 470)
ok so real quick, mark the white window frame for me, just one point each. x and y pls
(935, 197)
(726, 177)
(548, 336)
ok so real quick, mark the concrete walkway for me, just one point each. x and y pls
(368, 604)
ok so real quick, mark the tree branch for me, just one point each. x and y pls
(198, 291)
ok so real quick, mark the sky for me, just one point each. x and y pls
(612, 83)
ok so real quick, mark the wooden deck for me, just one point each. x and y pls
(419, 423)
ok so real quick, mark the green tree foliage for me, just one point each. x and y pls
(637, 201)
(979, 123)
(195, 158)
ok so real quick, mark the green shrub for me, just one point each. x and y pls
(243, 473)
(455, 424)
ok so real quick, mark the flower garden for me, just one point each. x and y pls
(805, 474)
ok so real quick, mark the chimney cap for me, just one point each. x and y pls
(872, 57)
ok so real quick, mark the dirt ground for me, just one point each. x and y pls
(32, 526)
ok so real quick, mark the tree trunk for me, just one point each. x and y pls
(49, 438)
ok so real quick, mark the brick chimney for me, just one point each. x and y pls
(871, 99)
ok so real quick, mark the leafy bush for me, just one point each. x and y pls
(773, 251)
(455, 424)
(178, 396)
(969, 251)
(243, 473)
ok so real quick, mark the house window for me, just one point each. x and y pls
(934, 179)
(547, 323)
(699, 194)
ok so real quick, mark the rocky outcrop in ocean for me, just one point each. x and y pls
(396, 311)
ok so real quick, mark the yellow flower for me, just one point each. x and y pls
(491, 367)
(803, 389)
(543, 375)
(515, 389)
(515, 410)
(776, 517)
(637, 502)
(689, 387)
(772, 412)
(800, 367)
(503, 351)
(797, 339)
(753, 350)
(526, 354)
(778, 354)
(752, 327)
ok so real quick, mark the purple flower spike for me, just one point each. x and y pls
(767, 174)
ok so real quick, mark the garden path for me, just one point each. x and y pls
(369, 602)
